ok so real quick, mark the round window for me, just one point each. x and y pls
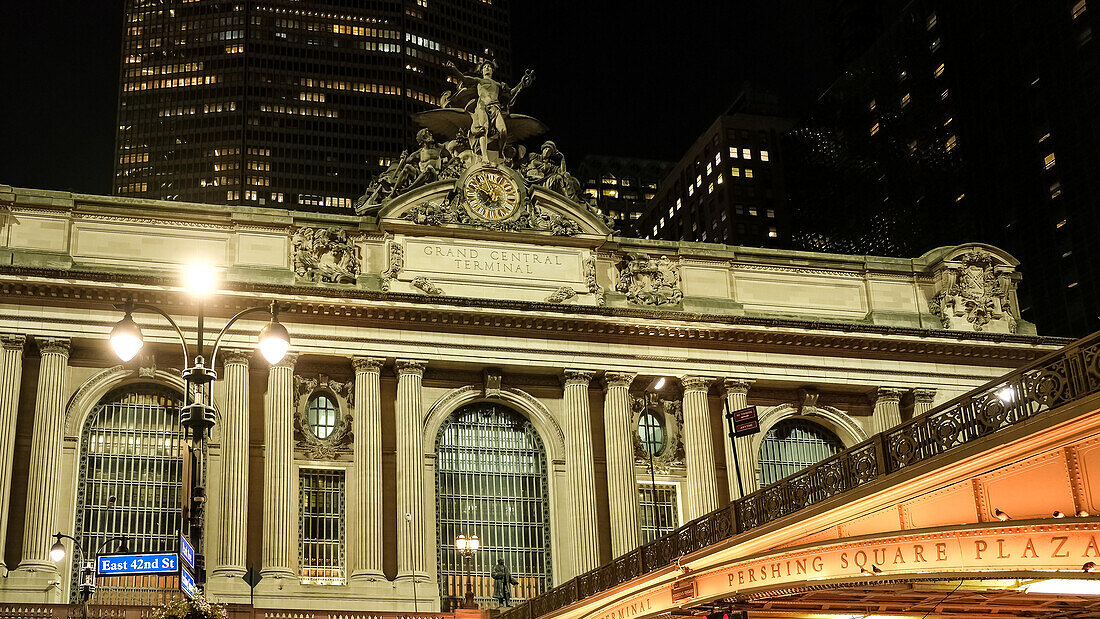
(652, 433)
(321, 414)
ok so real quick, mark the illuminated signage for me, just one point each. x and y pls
(187, 552)
(121, 565)
(187, 584)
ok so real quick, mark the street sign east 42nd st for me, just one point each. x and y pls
(117, 565)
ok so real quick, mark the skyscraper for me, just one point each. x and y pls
(621, 186)
(284, 103)
(966, 119)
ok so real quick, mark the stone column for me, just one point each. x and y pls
(923, 401)
(737, 397)
(11, 372)
(580, 471)
(887, 413)
(622, 486)
(366, 425)
(45, 464)
(701, 492)
(279, 553)
(410, 472)
(233, 542)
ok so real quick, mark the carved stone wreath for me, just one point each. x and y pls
(974, 290)
(325, 255)
(337, 442)
(646, 281)
(672, 415)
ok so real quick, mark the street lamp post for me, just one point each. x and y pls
(650, 397)
(87, 564)
(467, 546)
(197, 411)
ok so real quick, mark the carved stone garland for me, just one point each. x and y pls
(646, 281)
(672, 415)
(325, 255)
(337, 443)
(396, 263)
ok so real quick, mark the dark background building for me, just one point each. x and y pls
(975, 120)
(289, 103)
(730, 186)
(621, 186)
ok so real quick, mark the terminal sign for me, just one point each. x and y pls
(187, 552)
(745, 421)
(121, 565)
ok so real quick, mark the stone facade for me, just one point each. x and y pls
(405, 320)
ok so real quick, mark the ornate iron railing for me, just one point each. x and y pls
(1059, 378)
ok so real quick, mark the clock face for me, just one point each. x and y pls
(491, 194)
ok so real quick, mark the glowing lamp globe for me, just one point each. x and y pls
(126, 338)
(274, 341)
(57, 551)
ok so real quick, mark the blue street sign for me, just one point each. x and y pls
(187, 584)
(119, 565)
(187, 552)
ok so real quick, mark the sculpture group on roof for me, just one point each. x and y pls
(473, 125)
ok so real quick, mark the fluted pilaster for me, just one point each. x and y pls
(45, 464)
(702, 478)
(923, 401)
(366, 548)
(279, 553)
(410, 471)
(580, 471)
(737, 397)
(11, 372)
(233, 541)
(622, 486)
(887, 413)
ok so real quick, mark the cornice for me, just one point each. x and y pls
(563, 321)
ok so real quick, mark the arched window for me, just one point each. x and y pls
(652, 433)
(130, 467)
(321, 413)
(792, 445)
(491, 481)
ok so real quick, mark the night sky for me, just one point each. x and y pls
(640, 79)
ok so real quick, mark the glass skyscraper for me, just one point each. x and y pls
(293, 104)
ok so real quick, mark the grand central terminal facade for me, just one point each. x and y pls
(452, 371)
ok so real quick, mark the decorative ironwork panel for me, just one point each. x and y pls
(321, 527)
(130, 468)
(491, 481)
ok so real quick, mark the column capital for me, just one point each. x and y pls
(367, 364)
(696, 383)
(737, 385)
(578, 377)
(54, 345)
(619, 379)
(924, 395)
(287, 361)
(237, 356)
(888, 394)
(13, 341)
(410, 366)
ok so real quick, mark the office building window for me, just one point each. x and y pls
(131, 462)
(1055, 190)
(874, 129)
(658, 509)
(735, 172)
(1078, 9)
(764, 155)
(1049, 161)
(746, 153)
(771, 213)
(491, 471)
(792, 445)
(733, 152)
(952, 141)
(717, 159)
(710, 167)
(939, 70)
(905, 100)
(931, 22)
(321, 532)
(772, 233)
(748, 172)
(752, 211)
(679, 203)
